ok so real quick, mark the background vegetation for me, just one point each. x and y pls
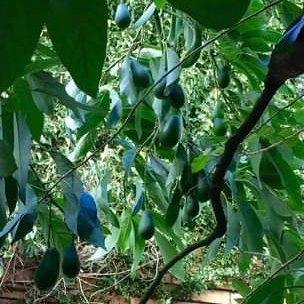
(67, 129)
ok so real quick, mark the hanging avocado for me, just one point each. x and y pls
(188, 179)
(218, 111)
(47, 272)
(191, 209)
(140, 74)
(159, 90)
(171, 133)
(202, 191)
(122, 16)
(146, 225)
(70, 264)
(220, 128)
(176, 95)
(223, 76)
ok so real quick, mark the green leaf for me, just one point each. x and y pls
(125, 231)
(199, 162)
(22, 153)
(71, 187)
(20, 26)
(216, 14)
(23, 101)
(168, 251)
(160, 3)
(60, 235)
(270, 292)
(288, 178)
(78, 30)
(7, 161)
(138, 244)
(144, 18)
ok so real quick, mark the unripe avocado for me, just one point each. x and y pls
(176, 95)
(122, 16)
(24, 226)
(146, 225)
(223, 76)
(140, 74)
(188, 179)
(159, 90)
(220, 128)
(191, 209)
(171, 133)
(202, 191)
(70, 263)
(47, 272)
(218, 111)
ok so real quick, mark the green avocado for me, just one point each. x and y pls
(191, 209)
(146, 225)
(188, 179)
(24, 226)
(176, 95)
(223, 76)
(202, 191)
(70, 264)
(122, 16)
(218, 110)
(220, 128)
(159, 90)
(171, 132)
(140, 74)
(47, 272)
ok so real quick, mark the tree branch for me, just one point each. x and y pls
(217, 182)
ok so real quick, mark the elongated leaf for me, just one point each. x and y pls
(78, 30)
(22, 153)
(20, 26)
(138, 244)
(217, 14)
(7, 161)
(288, 178)
(270, 292)
(144, 18)
(23, 102)
(72, 188)
(168, 251)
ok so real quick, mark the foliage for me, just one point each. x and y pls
(164, 107)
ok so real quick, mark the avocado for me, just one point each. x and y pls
(191, 209)
(140, 74)
(174, 207)
(70, 264)
(171, 132)
(47, 272)
(176, 95)
(146, 225)
(122, 16)
(220, 128)
(223, 76)
(218, 111)
(24, 226)
(188, 179)
(159, 90)
(202, 191)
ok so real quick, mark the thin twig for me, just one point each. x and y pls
(276, 144)
(277, 113)
(285, 265)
